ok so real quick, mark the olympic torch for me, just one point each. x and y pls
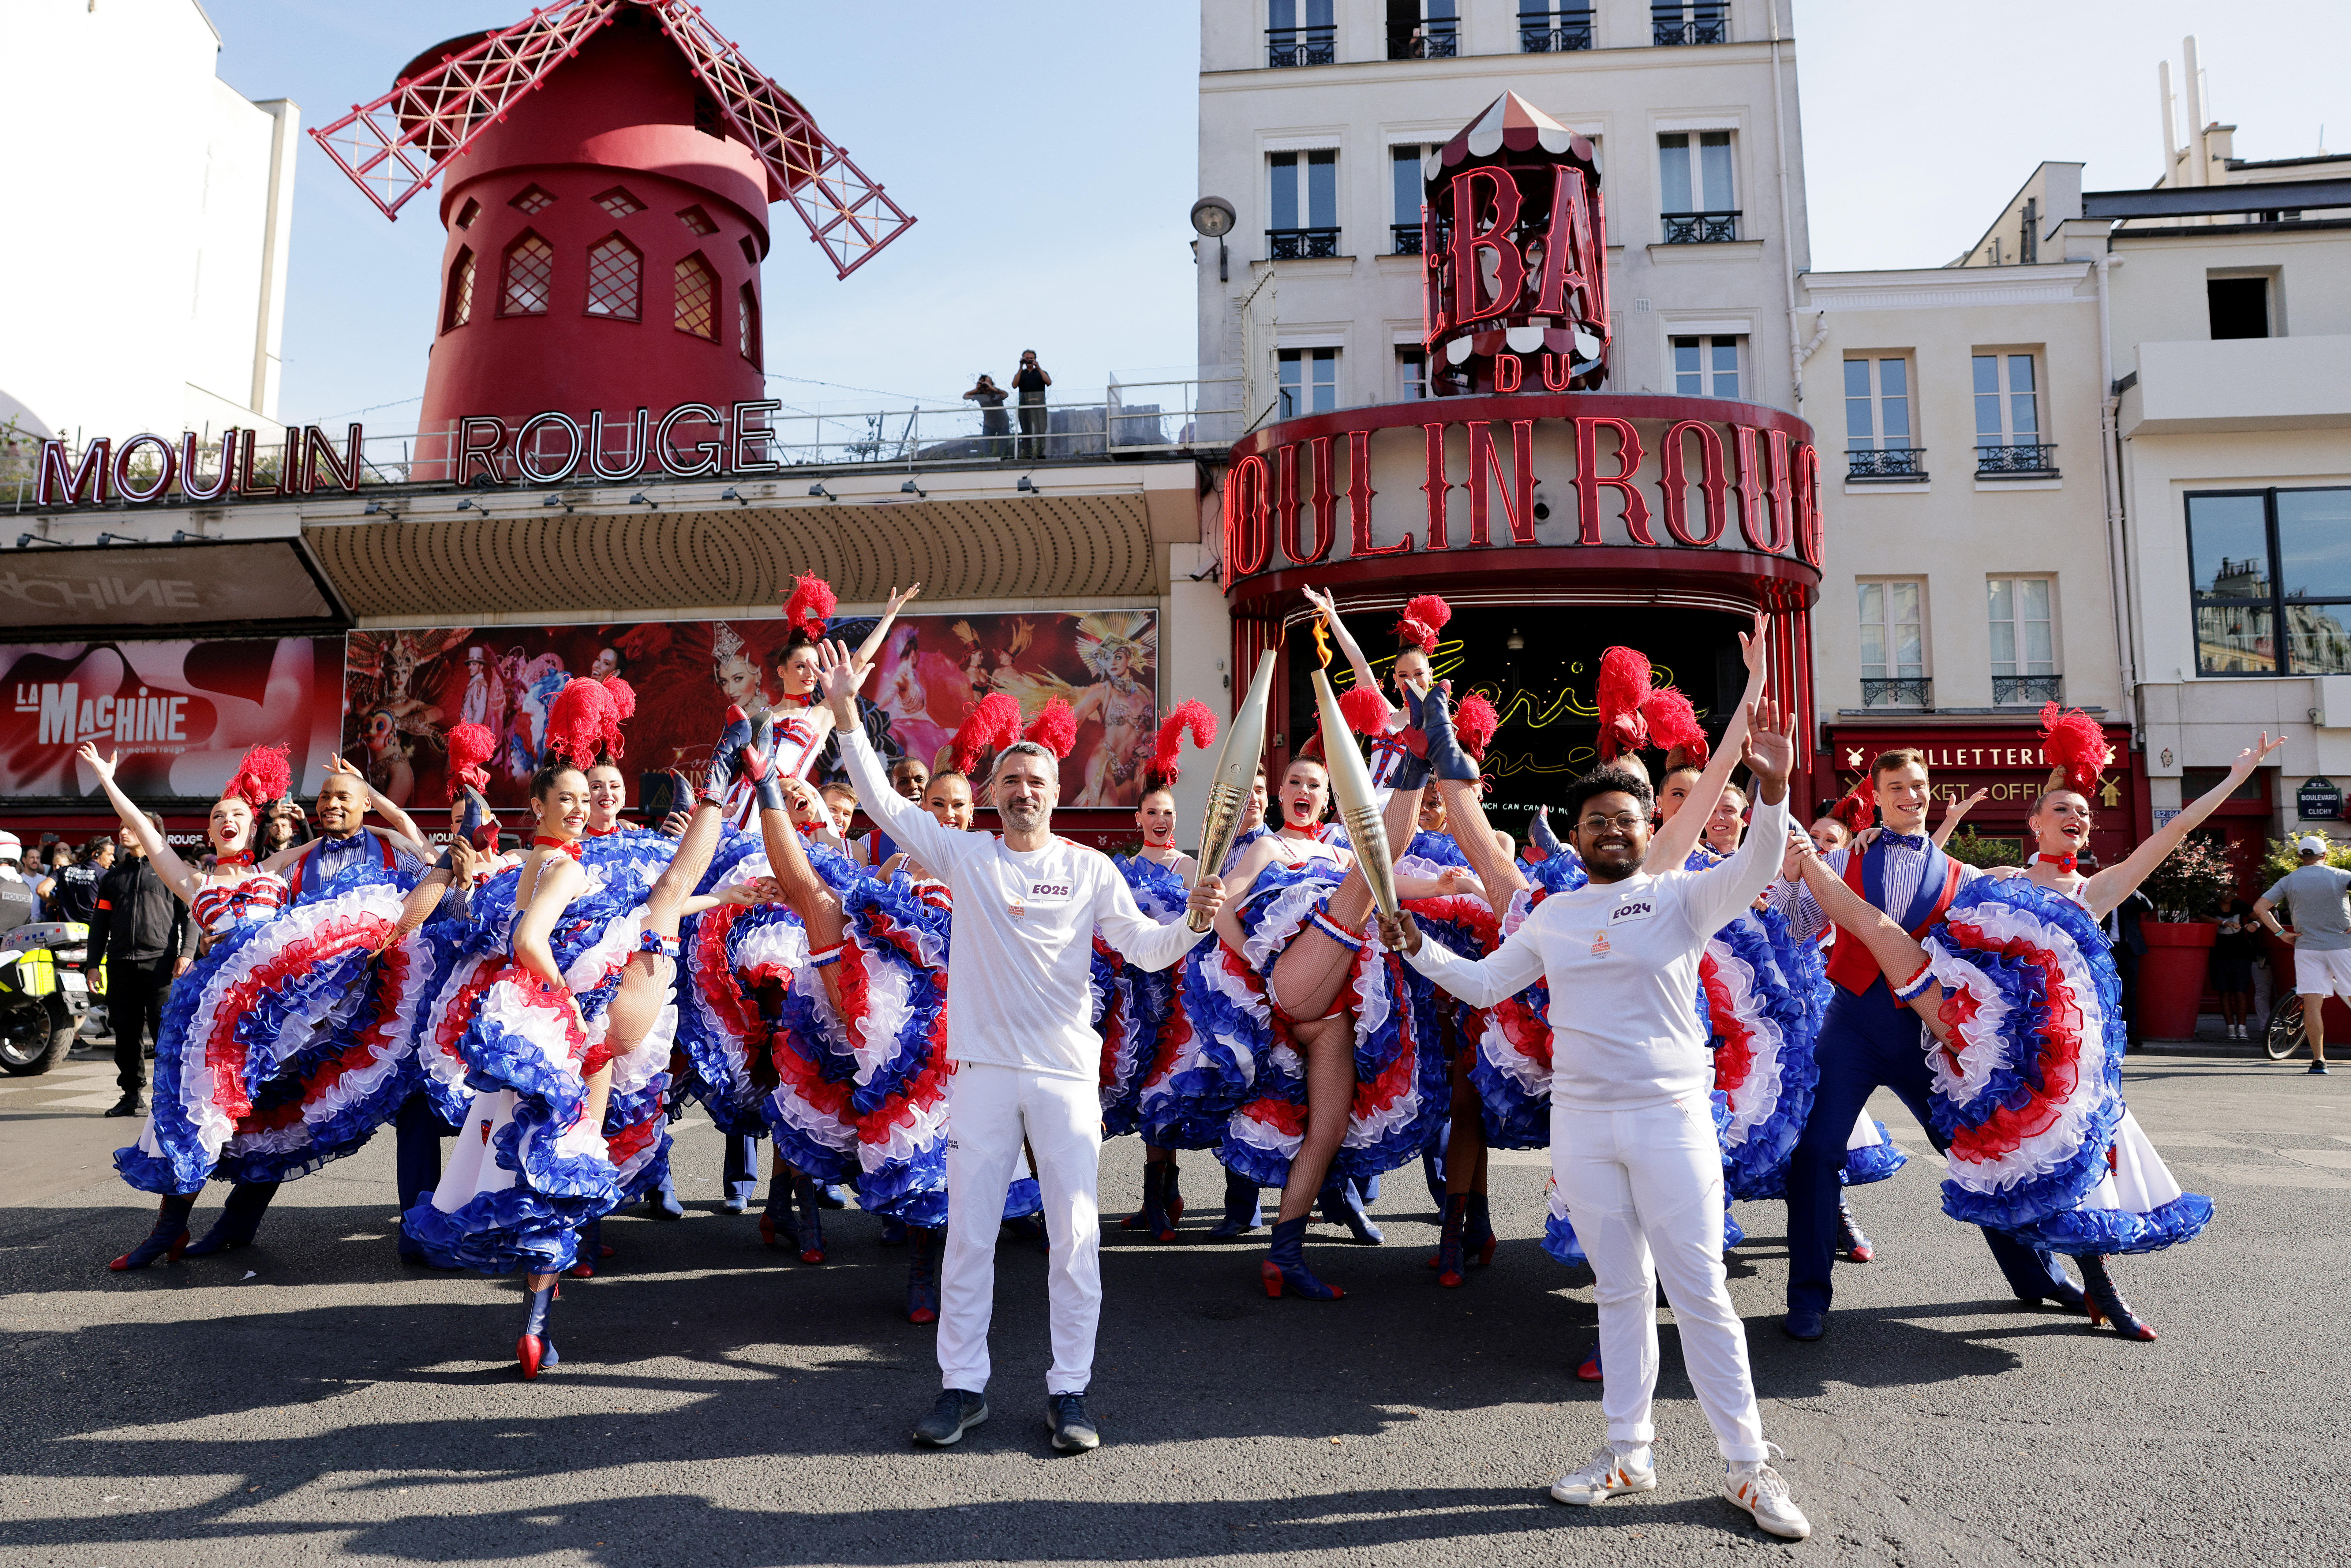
(1229, 790)
(1351, 786)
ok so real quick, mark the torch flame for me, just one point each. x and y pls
(1323, 640)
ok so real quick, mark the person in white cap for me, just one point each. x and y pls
(19, 904)
(2321, 937)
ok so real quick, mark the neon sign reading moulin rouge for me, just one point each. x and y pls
(549, 448)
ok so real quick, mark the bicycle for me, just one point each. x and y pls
(2284, 1034)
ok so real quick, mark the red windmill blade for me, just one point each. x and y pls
(396, 146)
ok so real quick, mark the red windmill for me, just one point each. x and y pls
(610, 167)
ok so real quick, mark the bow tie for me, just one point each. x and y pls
(1916, 841)
(338, 846)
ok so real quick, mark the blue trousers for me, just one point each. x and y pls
(741, 1177)
(417, 1131)
(1867, 1043)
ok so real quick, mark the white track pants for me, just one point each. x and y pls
(989, 1110)
(1644, 1189)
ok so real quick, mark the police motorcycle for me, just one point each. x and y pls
(43, 994)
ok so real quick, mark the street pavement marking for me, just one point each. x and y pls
(2335, 1159)
(2194, 1141)
(2272, 1176)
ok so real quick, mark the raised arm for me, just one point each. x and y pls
(932, 843)
(168, 866)
(870, 649)
(2112, 885)
(402, 829)
(1675, 841)
(1771, 755)
(1958, 809)
(1365, 677)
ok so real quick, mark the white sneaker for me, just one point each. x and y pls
(1759, 1488)
(1610, 1472)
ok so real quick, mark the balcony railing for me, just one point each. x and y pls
(2027, 690)
(1301, 245)
(1300, 46)
(1895, 463)
(1906, 691)
(1701, 228)
(1404, 239)
(2026, 462)
(1555, 32)
(1434, 41)
(1703, 28)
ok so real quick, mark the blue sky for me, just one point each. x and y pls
(1049, 151)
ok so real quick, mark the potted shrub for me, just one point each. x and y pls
(2188, 890)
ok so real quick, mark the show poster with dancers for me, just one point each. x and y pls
(178, 715)
(404, 689)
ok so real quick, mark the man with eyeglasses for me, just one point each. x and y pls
(1632, 1141)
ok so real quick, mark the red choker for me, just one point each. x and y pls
(603, 832)
(241, 857)
(543, 842)
(2063, 862)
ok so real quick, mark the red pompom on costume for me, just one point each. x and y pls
(1623, 687)
(264, 776)
(1365, 710)
(2075, 746)
(994, 723)
(1190, 716)
(1055, 728)
(1474, 724)
(470, 745)
(1673, 726)
(583, 722)
(811, 605)
(1423, 617)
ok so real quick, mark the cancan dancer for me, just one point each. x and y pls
(1633, 1142)
(1023, 1058)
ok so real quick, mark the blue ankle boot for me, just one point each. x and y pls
(535, 1349)
(1341, 1205)
(1478, 1232)
(240, 1219)
(1243, 1213)
(1284, 1268)
(169, 1236)
(922, 1274)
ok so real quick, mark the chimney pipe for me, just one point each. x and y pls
(2171, 174)
(2196, 162)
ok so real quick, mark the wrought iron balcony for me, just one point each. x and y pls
(1555, 32)
(1301, 245)
(1404, 239)
(1907, 691)
(1300, 46)
(1706, 28)
(1434, 41)
(2027, 690)
(1701, 228)
(2027, 462)
(1895, 463)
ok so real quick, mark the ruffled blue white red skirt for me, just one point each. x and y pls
(1132, 1006)
(1765, 995)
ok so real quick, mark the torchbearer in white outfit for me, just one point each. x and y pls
(1633, 1140)
(1023, 1057)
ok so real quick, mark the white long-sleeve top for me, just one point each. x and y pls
(1019, 975)
(1622, 960)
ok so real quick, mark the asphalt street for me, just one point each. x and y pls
(308, 1399)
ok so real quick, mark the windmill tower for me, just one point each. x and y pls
(610, 164)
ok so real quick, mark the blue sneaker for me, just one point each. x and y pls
(957, 1412)
(1073, 1429)
(1805, 1323)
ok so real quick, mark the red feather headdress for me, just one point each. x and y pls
(1673, 726)
(811, 605)
(584, 723)
(1190, 716)
(1857, 811)
(1622, 688)
(1055, 728)
(2076, 747)
(1425, 615)
(994, 723)
(470, 745)
(264, 776)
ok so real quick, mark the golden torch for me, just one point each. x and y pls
(1351, 786)
(1229, 790)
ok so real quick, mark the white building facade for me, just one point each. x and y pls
(176, 324)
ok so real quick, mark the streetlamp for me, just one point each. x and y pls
(1213, 217)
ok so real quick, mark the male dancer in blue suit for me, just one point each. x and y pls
(1869, 1041)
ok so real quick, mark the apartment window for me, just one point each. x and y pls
(1310, 381)
(1305, 209)
(2024, 644)
(1408, 193)
(530, 277)
(2238, 307)
(458, 307)
(1424, 29)
(1707, 367)
(616, 273)
(1877, 419)
(1689, 22)
(1893, 644)
(1693, 182)
(1412, 374)
(746, 320)
(2266, 561)
(1299, 33)
(2008, 416)
(696, 299)
(1554, 29)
